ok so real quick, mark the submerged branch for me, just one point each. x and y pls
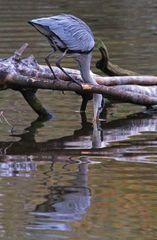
(107, 67)
(35, 104)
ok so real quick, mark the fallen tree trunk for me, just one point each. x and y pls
(27, 76)
(143, 95)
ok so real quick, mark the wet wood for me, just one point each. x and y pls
(27, 76)
(35, 104)
(106, 66)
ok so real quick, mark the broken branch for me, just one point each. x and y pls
(27, 76)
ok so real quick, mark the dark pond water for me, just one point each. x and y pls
(61, 179)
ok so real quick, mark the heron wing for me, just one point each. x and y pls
(72, 31)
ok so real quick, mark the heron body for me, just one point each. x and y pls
(71, 35)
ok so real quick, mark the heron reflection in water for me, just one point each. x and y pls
(71, 35)
(66, 202)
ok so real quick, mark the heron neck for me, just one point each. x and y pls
(85, 63)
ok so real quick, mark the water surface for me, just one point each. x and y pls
(61, 179)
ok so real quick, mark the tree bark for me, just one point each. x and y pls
(35, 104)
(27, 76)
(107, 67)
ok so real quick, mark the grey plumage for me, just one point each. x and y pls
(71, 35)
(66, 31)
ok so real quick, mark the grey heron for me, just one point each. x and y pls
(71, 35)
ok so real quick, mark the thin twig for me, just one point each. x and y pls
(5, 120)
(18, 53)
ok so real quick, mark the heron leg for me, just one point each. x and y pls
(58, 62)
(48, 63)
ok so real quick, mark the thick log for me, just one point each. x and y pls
(133, 94)
(27, 76)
